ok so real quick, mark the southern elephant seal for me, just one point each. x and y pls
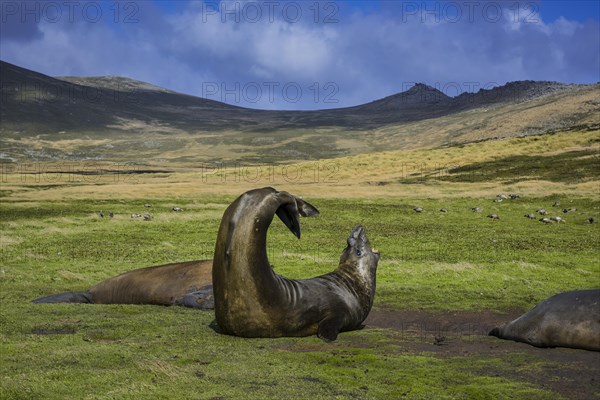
(251, 300)
(569, 319)
(186, 283)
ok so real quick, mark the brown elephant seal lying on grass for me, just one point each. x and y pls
(251, 300)
(187, 284)
(569, 319)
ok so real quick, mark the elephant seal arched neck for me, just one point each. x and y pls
(251, 300)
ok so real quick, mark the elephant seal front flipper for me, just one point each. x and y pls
(328, 329)
(569, 319)
(203, 299)
(251, 300)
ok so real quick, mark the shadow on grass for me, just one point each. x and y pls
(572, 166)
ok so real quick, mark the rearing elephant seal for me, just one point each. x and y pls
(569, 319)
(186, 284)
(251, 300)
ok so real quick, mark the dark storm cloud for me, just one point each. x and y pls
(19, 22)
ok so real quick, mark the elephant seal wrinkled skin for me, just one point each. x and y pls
(251, 300)
(569, 319)
(186, 284)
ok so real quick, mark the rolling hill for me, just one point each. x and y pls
(115, 119)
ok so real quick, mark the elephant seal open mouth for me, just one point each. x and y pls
(251, 300)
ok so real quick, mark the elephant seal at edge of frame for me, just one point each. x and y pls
(568, 319)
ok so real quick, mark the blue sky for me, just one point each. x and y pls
(307, 54)
(579, 10)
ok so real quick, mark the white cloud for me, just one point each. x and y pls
(291, 50)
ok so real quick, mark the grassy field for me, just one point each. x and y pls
(440, 264)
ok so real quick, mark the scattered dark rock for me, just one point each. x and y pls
(200, 374)
(439, 340)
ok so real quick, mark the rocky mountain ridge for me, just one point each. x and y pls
(99, 104)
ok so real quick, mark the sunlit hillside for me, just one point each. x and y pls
(552, 163)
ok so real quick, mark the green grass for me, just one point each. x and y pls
(426, 257)
(114, 354)
(455, 261)
(461, 259)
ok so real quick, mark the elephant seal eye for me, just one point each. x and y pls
(358, 253)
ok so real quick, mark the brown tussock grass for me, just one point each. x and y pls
(159, 367)
(6, 240)
(372, 175)
(71, 276)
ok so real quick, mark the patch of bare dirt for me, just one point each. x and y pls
(572, 373)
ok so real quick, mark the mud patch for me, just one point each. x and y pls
(572, 373)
